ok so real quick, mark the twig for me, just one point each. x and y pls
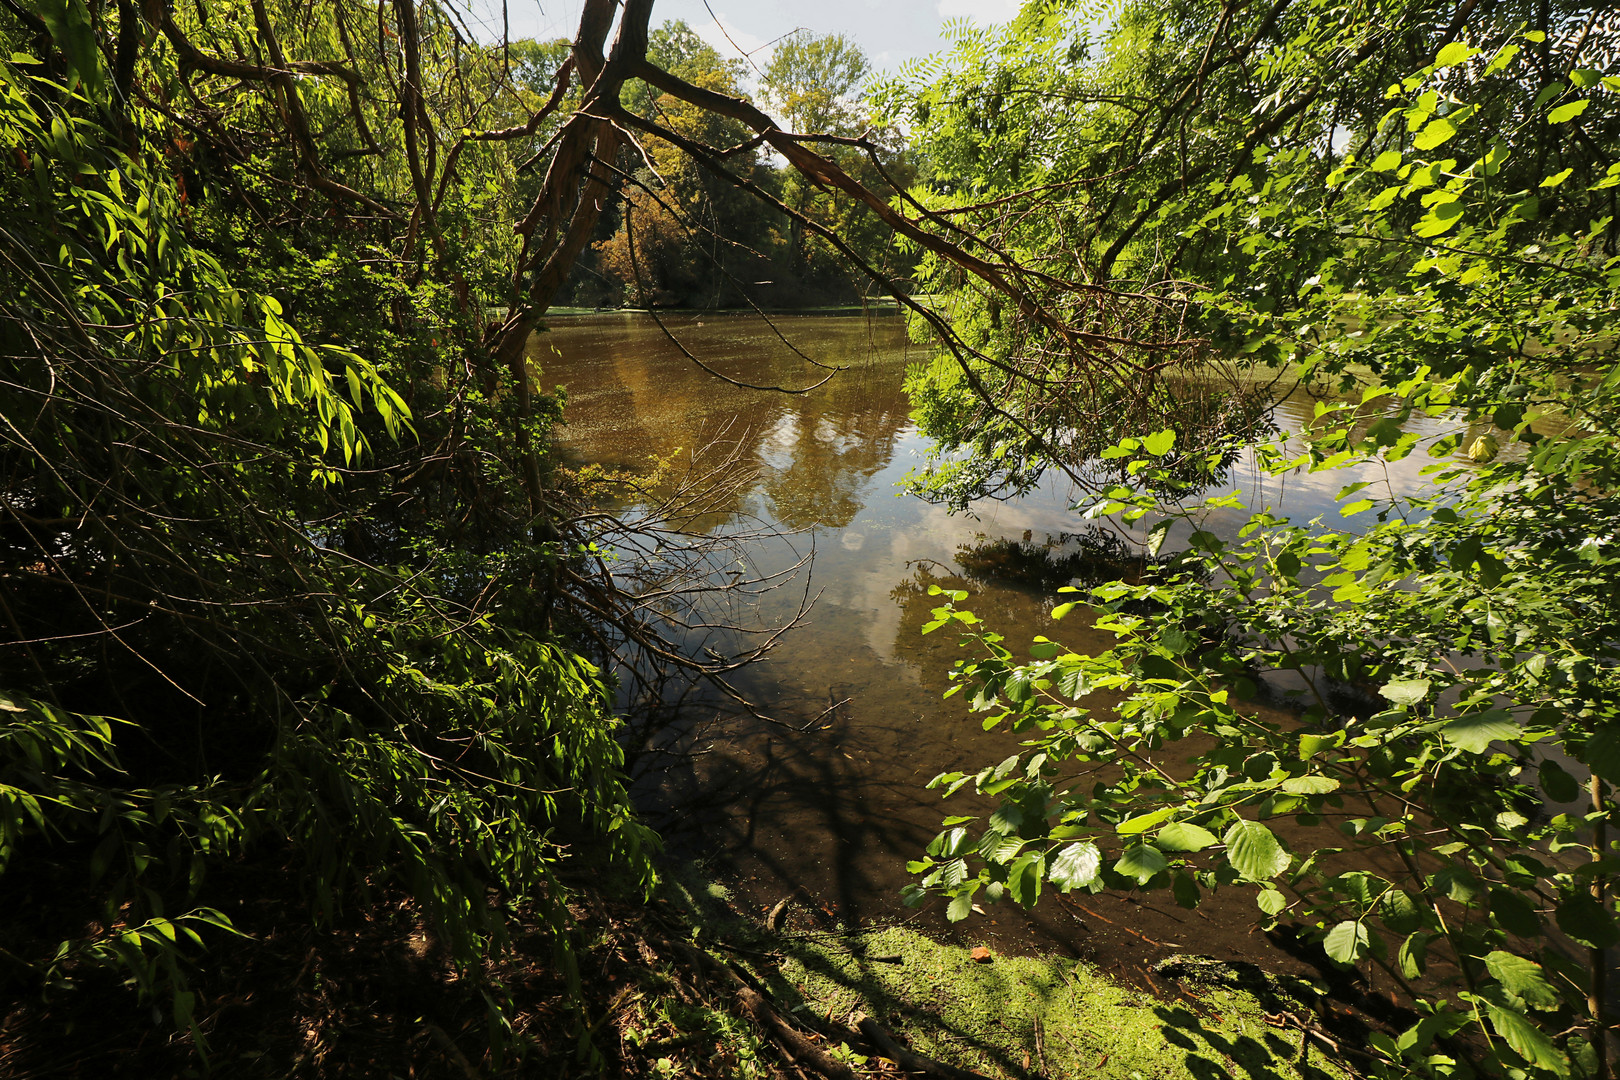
(908, 1059)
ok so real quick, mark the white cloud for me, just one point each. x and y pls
(982, 12)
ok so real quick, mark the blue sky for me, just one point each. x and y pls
(890, 32)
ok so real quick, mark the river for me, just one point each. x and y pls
(838, 808)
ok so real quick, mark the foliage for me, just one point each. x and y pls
(698, 241)
(1438, 801)
(699, 238)
(816, 83)
(231, 632)
(1096, 144)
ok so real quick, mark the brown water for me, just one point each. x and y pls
(838, 808)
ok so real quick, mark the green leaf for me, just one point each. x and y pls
(1522, 978)
(1007, 819)
(1527, 1040)
(1185, 889)
(1388, 161)
(1310, 785)
(1440, 218)
(1514, 913)
(1383, 199)
(1454, 53)
(74, 32)
(1253, 851)
(1400, 912)
(1271, 901)
(1140, 862)
(1311, 745)
(998, 849)
(1385, 431)
(1347, 943)
(1566, 113)
(1185, 836)
(1405, 691)
(1559, 786)
(1435, 133)
(1024, 879)
(1476, 732)
(1143, 822)
(1075, 867)
(1159, 443)
(1587, 922)
(961, 906)
(1412, 954)
(1504, 56)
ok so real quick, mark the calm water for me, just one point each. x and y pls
(839, 807)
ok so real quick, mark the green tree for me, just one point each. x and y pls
(816, 83)
(1092, 158)
(1456, 646)
(697, 240)
(184, 588)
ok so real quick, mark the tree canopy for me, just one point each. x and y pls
(1411, 210)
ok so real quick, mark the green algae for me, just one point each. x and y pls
(1058, 1017)
(1015, 1016)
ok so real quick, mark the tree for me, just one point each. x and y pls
(816, 83)
(1097, 160)
(289, 573)
(1418, 248)
(697, 240)
(236, 625)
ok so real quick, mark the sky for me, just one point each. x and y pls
(889, 31)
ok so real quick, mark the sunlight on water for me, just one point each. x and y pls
(840, 807)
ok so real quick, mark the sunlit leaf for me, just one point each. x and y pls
(1140, 862)
(1347, 943)
(1075, 867)
(1527, 1040)
(1185, 836)
(1253, 850)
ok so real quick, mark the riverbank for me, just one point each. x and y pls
(684, 984)
(977, 1011)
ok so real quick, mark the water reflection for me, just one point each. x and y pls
(1097, 555)
(634, 397)
(831, 796)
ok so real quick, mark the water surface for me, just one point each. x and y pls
(828, 795)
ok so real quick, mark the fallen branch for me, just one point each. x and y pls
(793, 1042)
(885, 1044)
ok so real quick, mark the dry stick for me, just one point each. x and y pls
(799, 1048)
(1121, 926)
(908, 1059)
